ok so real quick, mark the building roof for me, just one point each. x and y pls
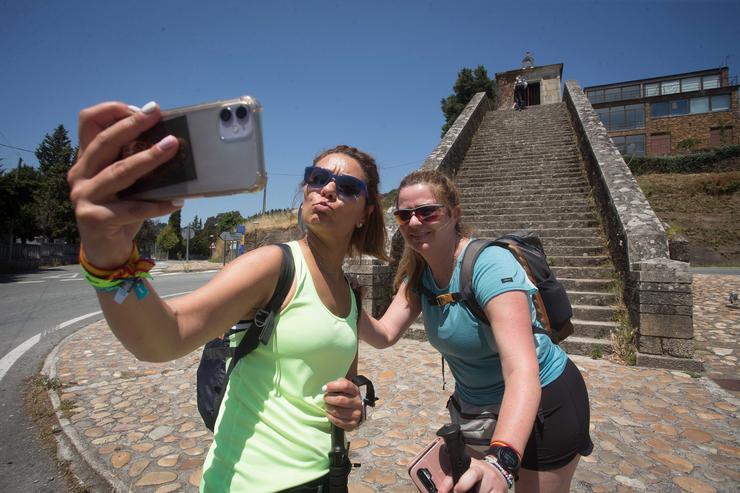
(662, 77)
(538, 71)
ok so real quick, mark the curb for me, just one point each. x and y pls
(89, 471)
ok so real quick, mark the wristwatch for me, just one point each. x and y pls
(507, 457)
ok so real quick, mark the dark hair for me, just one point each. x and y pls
(370, 238)
(411, 266)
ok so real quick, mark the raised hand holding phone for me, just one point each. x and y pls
(107, 224)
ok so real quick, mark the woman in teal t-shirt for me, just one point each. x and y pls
(505, 370)
(273, 431)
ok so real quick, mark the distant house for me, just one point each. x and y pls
(670, 114)
(543, 84)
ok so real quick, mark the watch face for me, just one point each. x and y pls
(507, 458)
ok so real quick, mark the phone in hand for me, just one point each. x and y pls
(430, 467)
(220, 152)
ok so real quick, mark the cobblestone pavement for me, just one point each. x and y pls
(654, 430)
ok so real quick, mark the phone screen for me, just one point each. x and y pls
(179, 169)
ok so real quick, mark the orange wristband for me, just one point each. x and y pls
(504, 444)
(133, 265)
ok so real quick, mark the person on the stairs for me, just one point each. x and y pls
(517, 395)
(520, 84)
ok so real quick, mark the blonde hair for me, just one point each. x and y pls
(412, 264)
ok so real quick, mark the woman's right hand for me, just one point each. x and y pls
(107, 224)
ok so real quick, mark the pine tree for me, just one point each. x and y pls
(55, 215)
(177, 250)
(468, 83)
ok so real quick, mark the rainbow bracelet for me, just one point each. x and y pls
(122, 279)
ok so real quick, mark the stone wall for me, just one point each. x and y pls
(550, 91)
(657, 289)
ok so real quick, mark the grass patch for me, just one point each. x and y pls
(624, 349)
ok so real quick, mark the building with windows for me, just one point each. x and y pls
(670, 114)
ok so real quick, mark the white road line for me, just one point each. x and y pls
(27, 282)
(9, 359)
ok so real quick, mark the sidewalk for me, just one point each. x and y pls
(654, 430)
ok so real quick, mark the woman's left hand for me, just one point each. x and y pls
(343, 404)
(480, 473)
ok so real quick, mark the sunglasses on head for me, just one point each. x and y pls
(424, 213)
(347, 185)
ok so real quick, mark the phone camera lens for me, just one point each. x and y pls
(241, 112)
(225, 115)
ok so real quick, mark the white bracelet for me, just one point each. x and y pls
(506, 474)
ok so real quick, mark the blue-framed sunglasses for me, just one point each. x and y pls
(347, 185)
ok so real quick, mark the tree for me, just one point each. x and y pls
(55, 214)
(178, 248)
(468, 83)
(17, 202)
(146, 238)
(228, 220)
(167, 240)
(200, 244)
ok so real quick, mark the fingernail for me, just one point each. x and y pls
(167, 143)
(133, 108)
(324, 388)
(149, 107)
(178, 202)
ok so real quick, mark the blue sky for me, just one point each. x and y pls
(368, 74)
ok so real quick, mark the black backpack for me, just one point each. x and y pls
(213, 376)
(554, 311)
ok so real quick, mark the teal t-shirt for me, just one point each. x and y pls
(467, 344)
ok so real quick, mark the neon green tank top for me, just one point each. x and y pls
(272, 432)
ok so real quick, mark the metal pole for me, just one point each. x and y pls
(264, 199)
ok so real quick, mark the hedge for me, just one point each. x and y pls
(699, 162)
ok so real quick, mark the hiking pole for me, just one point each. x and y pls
(339, 464)
(459, 458)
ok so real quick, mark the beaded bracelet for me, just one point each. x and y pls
(122, 279)
(506, 474)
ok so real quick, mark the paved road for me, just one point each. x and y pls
(36, 305)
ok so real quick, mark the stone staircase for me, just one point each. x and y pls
(523, 171)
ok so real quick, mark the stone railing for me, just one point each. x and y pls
(377, 276)
(657, 289)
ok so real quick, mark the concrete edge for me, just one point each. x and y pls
(89, 471)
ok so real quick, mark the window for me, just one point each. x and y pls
(613, 94)
(710, 81)
(652, 90)
(630, 92)
(679, 107)
(660, 144)
(595, 96)
(692, 84)
(720, 136)
(630, 145)
(670, 87)
(659, 109)
(622, 117)
(721, 102)
(699, 105)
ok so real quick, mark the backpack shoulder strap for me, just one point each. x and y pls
(264, 319)
(472, 252)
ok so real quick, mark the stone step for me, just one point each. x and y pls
(579, 260)
(533, 225)
(584, 272)
(535, 196)
(492, 170)
(574, 250)
(594, 329)
(575, 233)
(586, 346)
(527, 208)
(594, 313)
(520, 182)
(586, 284)
(592, 298)
(479, 216)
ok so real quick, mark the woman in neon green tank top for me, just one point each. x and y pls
(273, 429)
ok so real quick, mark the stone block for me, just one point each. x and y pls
(670, 363)
(680, 348)
(649, 345)
(678, 247)
(664, 298)
(666, 309)
(664, 287)
(660, 270)
(674, 326)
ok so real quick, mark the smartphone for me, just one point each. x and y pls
(220, 152)
(430, 467)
